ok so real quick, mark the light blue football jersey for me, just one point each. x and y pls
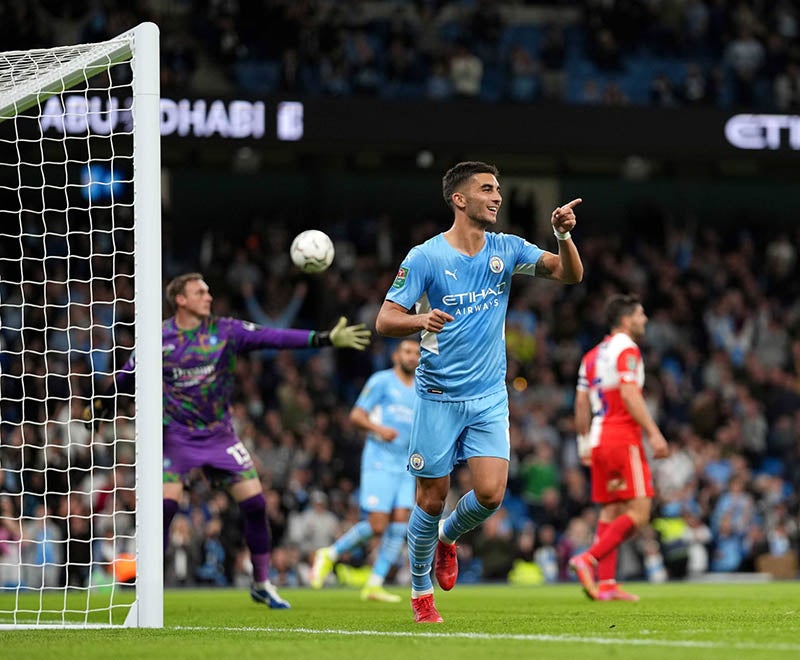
(467, 359)
(389, 402)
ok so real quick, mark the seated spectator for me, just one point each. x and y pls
(466, 72)
(523, 73)
(728, 550)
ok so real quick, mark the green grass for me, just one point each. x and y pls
(692, 621)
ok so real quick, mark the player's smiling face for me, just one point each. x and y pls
(196, 298)
(482, 198)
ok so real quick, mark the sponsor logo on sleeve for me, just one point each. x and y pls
(400, 280)
(631, 362)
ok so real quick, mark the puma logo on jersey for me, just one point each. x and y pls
(451, 273)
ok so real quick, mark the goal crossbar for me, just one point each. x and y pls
(37, 88)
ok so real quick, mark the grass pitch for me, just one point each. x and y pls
(699, 621)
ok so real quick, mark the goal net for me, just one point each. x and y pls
(80, 289)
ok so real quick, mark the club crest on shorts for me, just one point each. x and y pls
(416, 461)
(496, 264)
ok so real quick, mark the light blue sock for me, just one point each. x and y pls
(422, 538)
(391, 547)
(468, 514)
(354, 537)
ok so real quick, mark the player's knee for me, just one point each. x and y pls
(378, 527)
(254, 506)
(430, 503)
(489, 500)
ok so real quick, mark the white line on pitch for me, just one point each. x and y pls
(564, 639)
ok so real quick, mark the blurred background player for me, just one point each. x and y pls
(461, 413)
(610, 385)
(384, 409)
(199, 358)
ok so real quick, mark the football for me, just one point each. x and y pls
(312, 251)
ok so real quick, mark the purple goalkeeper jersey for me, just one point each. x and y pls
(199, 368)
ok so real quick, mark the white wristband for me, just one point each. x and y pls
(562, 237)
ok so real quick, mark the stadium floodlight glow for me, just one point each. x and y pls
(80, 288)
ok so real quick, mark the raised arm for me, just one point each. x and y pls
(394, 320)
(566, 266)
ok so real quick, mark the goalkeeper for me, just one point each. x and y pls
(199, 352)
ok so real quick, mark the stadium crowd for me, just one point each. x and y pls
(722, 345)
(694, 53)
(722, 352)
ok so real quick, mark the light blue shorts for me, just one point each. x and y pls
(383, 492)
(445, 433)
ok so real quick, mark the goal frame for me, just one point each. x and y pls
(141, 46)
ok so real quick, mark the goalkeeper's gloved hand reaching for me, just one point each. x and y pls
(349, 336)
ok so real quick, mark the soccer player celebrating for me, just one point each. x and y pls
(458, 282)
(199, 355)
(384, 410)
(611, 411)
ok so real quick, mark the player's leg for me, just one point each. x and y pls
(403, 493)
(393, 533)
(432, 454)
(619, 473)
(325, 558)
(179, 458)
(227, 458)
(608, 588)
(172, 493)
(422, 537)
(485, 446)
(253, 507)
(376, 496)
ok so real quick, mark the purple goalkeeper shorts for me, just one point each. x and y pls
(221, 455)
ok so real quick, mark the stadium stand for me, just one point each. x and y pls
(723, 344)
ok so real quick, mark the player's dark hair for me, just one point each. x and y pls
(460, 173)
(620, 305)
(177, 287)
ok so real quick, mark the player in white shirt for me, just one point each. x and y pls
(458, 285)
(609, 393)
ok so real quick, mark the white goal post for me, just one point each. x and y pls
(80, 290)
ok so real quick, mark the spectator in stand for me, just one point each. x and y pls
(466, 72)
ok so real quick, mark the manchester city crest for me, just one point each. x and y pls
(416, 461)
(496, 264)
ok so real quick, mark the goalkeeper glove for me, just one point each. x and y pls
(345, 336)
(100, 410)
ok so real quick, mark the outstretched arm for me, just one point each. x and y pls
(249, 336)
(566, 266)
